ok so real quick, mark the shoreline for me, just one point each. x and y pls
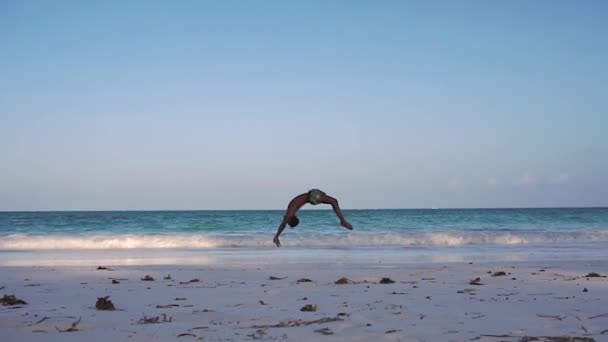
(297, 255)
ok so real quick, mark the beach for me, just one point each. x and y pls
(306, 296)
(303, 171)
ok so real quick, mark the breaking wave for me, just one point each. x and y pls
(351, 240)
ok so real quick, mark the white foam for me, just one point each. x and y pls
(348, 240)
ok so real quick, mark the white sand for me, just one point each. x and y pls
(422, 305)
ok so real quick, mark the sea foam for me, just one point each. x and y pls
(347, 240)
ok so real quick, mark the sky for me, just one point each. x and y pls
(145, 105)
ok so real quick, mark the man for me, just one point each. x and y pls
(314, 197)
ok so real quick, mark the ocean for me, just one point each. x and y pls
(417, 234)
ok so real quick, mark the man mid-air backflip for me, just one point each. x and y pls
(314, 197)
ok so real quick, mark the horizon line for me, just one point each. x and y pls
(311, 209)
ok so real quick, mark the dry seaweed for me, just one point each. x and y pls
(324, 331)
(257, 335)
(499, 274)
(598, 316)
(103, 303)
(186, 334)
(103, 268)
(299, 323)
(557, 317)
(7, 300)
(195, 280)
(475, 281)
(154, 320)
(556, 339)
(73, 327)
(303, 280)
(468, 291)
(343, 281)
(386, 280)
(594, 275)
(147, 278)
(309, 308)
(42, 320)
(168, 306)
(276, 278)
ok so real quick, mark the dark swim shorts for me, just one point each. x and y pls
(314, 196)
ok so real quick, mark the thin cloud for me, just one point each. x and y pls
(561, 178)
(492, 181)
(456, 183)
(526, 179)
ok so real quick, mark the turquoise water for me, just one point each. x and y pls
(318, 228)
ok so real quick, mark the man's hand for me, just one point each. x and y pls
(346, 225)
(277, 242)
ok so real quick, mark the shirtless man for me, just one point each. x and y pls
(314, 197)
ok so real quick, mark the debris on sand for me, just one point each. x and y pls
(7, 300)
(303, 280)
(103, 303)
(594, 275)
(386, 280)
(499, 274)
(585, 290)
(309, 308)
(276, 278)
(467, 291)
(147, 278)
(72, 328)
(598, 316)
(557, 317)
(300, 323)
(154, 320)
(103, 268)
(195, 280)
(168, 277)
(258, 334)
(114, 281)
(41, 320)
(324, 331)
(186, 334)
(168, 306)
(391, 331)
(556, 339)
(475, 281)
(343, 281)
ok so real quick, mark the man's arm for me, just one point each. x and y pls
(279, 231)
(293, 207)
(334, 204)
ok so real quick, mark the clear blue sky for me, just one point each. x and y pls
(244, 104)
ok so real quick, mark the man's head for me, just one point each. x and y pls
(293, 221)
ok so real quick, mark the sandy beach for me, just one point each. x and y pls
(511, 301)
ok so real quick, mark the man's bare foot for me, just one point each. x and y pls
(277, 242)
